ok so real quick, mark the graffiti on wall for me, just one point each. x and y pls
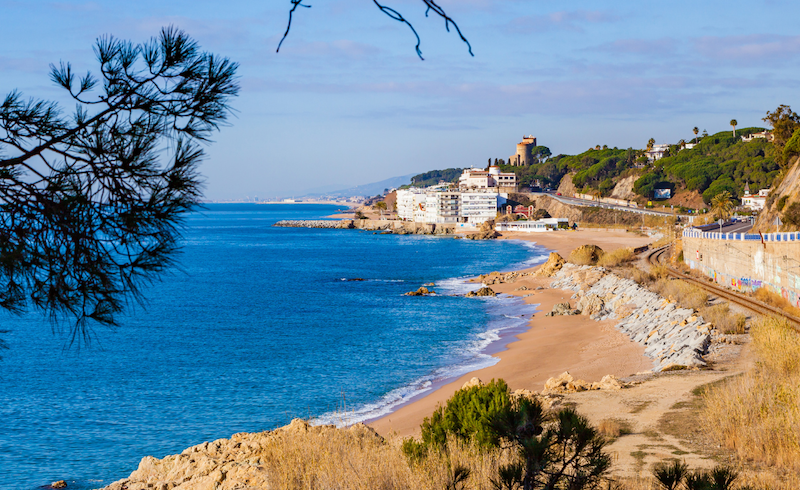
(748, 284)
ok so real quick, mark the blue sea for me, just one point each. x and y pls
(256, 326)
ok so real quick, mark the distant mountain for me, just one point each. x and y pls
(372, 189)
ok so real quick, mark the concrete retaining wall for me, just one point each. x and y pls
(747, 265)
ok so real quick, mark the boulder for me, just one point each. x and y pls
(59, 484)
(554, 263)
(422, 291)
(484, 291)
(560, 309)
(475, 381)
(486, 232)
(559, 383)
(586, 254)
(590, 304)
(608, 382)
(522, 288)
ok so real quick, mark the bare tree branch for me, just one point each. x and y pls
(430, 5)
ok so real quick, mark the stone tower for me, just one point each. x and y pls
(523, 155)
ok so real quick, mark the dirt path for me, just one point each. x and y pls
(660, 417)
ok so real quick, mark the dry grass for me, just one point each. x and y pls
(724, 319)
(344, 459)
(613, 428)
(582, 256)
(616, 257)
(774, 299)
(758, 414)
(683, 293)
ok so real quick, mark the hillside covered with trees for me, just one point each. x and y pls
(436, 176)
(720, 162)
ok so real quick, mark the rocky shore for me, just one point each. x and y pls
(674, 337)
(388, 226)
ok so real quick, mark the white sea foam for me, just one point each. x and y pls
(506, 313)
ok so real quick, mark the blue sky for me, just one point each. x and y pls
(347, 101)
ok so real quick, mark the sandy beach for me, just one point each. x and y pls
(587, 349)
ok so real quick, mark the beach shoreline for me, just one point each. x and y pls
(547, 347)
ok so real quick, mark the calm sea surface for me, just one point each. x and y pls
(260, 325)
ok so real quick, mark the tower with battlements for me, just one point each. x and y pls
(523, 155)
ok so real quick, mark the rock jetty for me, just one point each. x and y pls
(673, 337)
(316, 223)
(389, 226)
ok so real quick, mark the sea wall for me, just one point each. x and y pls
(747, 262)
(672, 336)
(392, 226)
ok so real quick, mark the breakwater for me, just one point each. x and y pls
(390, 226)
(672, 336)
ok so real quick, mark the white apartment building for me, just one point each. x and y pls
(409, 202)
(480, 206)
(443, 207)
(473, 178)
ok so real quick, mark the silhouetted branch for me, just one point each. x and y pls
(295, 4)
(394, 14)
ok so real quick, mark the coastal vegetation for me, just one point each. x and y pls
(435, 177)
(544, 449)
(92, 201)
(757, 414)
(720, 162)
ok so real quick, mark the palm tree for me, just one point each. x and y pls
(650, 144)
(695, 131)
(734, 122)
(681, 144)
(381, 206)
(722, 205)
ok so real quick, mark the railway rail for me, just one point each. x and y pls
(656, 257)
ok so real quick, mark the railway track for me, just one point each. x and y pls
(656, 257)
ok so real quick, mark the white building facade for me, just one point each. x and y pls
(478, 207)
(409, 201)
(443, 207)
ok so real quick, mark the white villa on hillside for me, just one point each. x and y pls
(756, 202)
(657, 152)
(763, 134)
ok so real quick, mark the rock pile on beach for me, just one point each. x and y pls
(554, 263)
(484, 291)
(565, 383)
(673, 337)
(499, 278)
(243, 461)
(560, 309)
(486, 232)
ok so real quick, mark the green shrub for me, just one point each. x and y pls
(467, 415)
(782, 202)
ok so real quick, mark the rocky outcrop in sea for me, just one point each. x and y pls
(673, 337)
